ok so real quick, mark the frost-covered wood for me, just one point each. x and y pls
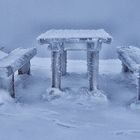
(125, 68)
(12, 86)
(56, 69)
(64, 62)
(138, 87)
(130, 57)
(57, 40)
(7, 83)
(16, 60)
(93, 65)
(19, 59)
(74, 36)
(25, 69)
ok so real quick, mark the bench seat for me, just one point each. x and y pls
(17, 60)
(130, 58)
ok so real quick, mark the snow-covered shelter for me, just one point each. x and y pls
(57, 40)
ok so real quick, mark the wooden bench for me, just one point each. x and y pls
(17, 60)
(130, 58)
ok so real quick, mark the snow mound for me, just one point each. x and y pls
(52, 93)
(83, 95)
(135, 105)
(96, 96)
(5, 97)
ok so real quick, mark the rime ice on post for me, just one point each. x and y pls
(57, 40)
(93, 49)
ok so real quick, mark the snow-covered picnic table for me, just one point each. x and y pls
(57, 40)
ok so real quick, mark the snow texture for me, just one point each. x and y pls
(15, 60)
(75, 34)
(2, 54)
(130, 56)
(75, 114)
(5, 98)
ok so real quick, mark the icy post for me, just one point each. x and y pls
(93, 49)
(138, 86)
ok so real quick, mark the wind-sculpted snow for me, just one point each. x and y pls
(74, 113)
(5, 98)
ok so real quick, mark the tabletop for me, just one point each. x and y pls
(74, 36)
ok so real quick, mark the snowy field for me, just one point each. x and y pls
(75, 115)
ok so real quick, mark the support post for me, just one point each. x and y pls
(124, 68)
(93, 66)
(11, 86)
(25, 69)
(138, 87)
(64, 62)
(56, 69)
(8, 84)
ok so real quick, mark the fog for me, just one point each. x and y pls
(21, 21)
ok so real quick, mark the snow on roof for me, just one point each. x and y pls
(74, 34)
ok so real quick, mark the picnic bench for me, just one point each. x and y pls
(17, 60)
(58, 40)
(130, 58)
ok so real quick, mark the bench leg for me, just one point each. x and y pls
(12, 86)
(25, 69)
(8, 84)
(64, 62)
(125, 69)
(56, 69)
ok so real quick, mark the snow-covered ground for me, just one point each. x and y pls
(75, 115)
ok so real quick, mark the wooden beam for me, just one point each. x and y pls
(25, 69)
